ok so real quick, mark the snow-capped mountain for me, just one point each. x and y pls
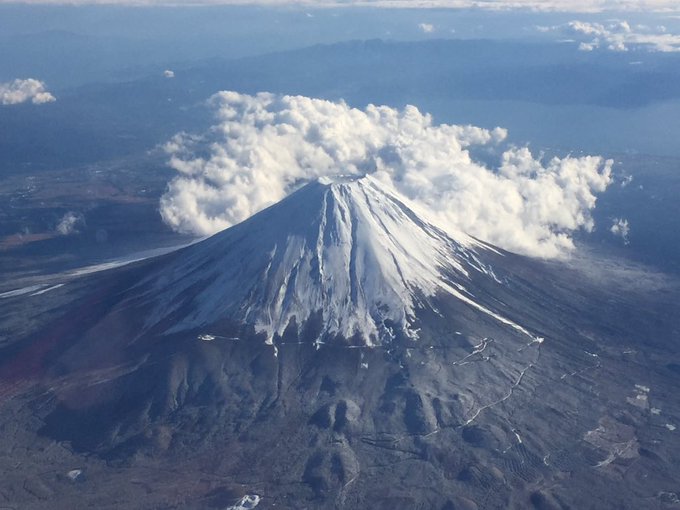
(204, 369)
(346, 251)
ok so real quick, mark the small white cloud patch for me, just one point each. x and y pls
(70, 223)
(626, 180)
(620, 228)
(266, 146)
(618, 35)
(22, 91)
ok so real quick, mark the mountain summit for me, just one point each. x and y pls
(342, 256)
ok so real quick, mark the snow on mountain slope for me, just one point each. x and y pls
(343, 248)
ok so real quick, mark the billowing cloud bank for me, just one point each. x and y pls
(21, 91)
(618, 35)
(265, 146)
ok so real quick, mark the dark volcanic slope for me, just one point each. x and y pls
(123, 391)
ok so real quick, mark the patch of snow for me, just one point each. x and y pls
(53, 287)
(481, 347)
(32, 290)
(640, 398)
(22, 291)
(248, 502)
(75, 474)
(519, 439)
(129, 259)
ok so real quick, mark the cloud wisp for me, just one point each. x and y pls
(621, 228)
(22, 91)
(70, 223)
(618, 35)
(266, 146)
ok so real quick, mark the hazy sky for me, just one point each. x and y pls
(537, 5)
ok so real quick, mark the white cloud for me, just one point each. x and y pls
(21, 91)
(69, 223)
(265, 146)
(590, 6)
(427, 28)
(169, 73)
(621, 228)
(626, 180)
(618, 35)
